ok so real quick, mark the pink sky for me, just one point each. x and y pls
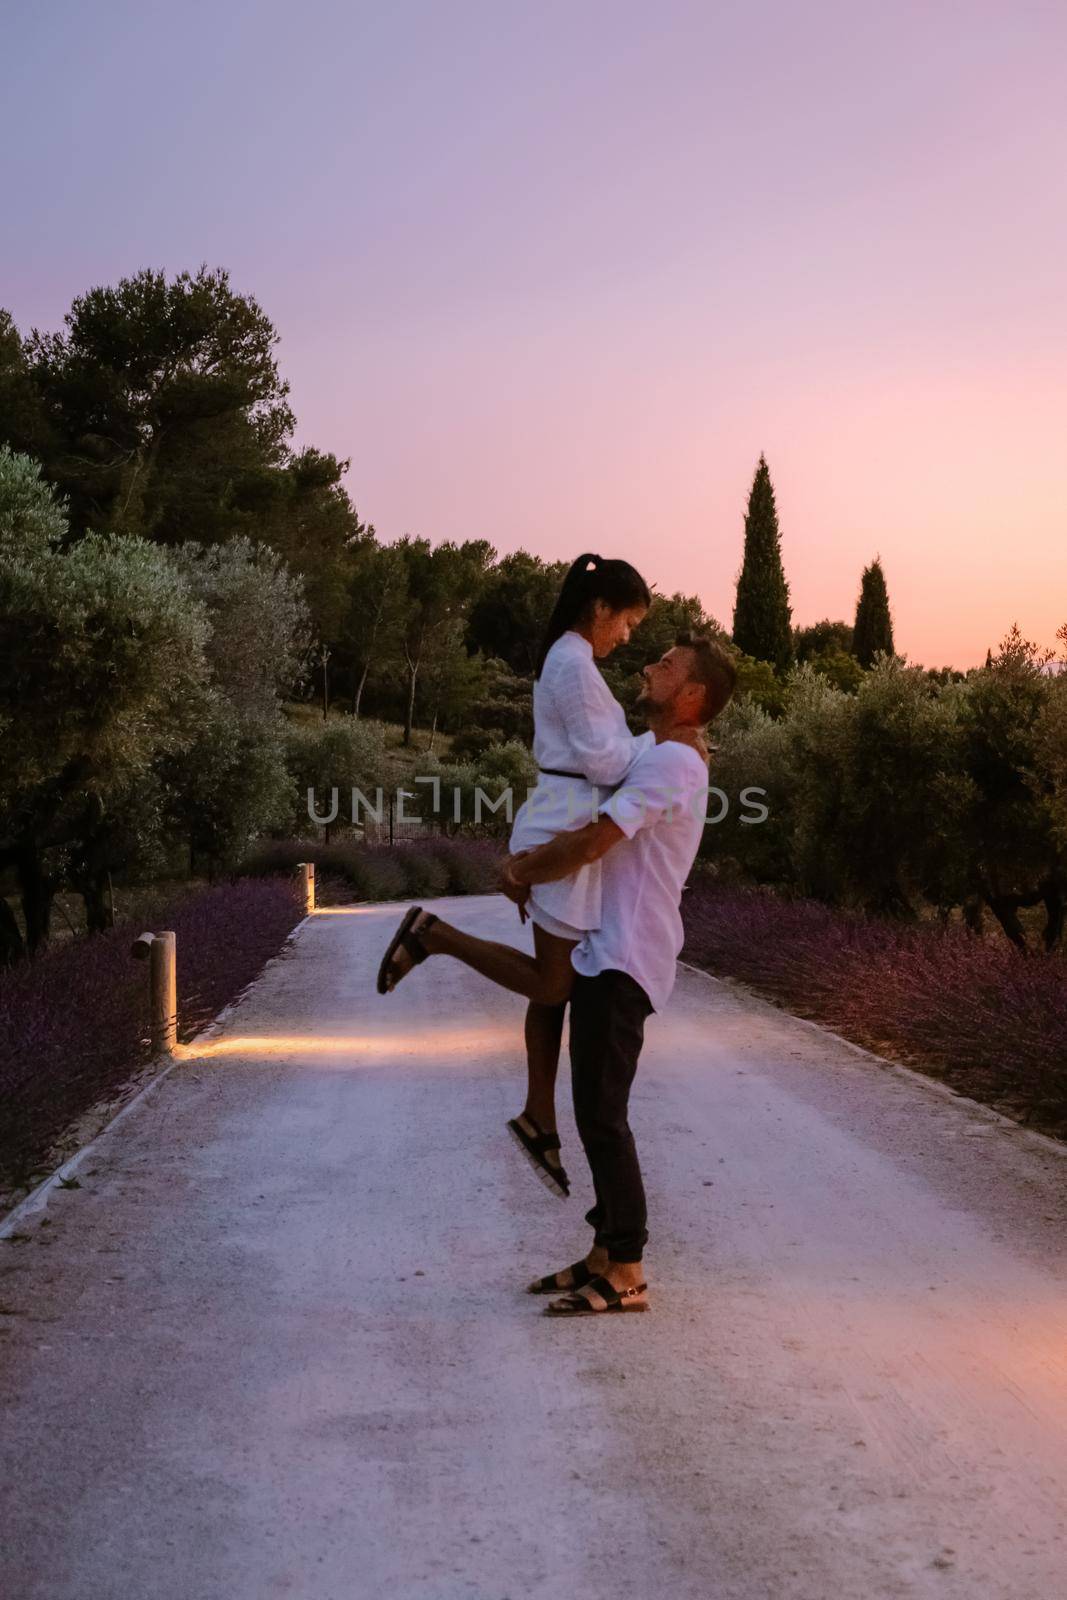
(554, 275)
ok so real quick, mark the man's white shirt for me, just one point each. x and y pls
(660, 808)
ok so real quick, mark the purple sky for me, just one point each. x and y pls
(553, 274)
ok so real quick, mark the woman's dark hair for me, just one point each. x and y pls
(591, 578)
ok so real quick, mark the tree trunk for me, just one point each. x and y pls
(357, 692)
(1055, 906)
(409, 720)
(433, 733)
(93, 889)
(973, 915)
(12, 945)
(38, 891)
(1005, 907)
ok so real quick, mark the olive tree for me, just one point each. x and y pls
(232, 783)
(325, 762)
(102, 671)
(31, 516)
(260, 627)
(229, 787)
(1011, 739)
(1050, 768)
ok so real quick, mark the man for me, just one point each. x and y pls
(647, 839)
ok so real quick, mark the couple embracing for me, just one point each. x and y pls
(600, 853)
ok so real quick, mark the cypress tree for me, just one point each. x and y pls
(873, 629)
(761, 609)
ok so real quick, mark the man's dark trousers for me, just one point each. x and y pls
(608, 1014)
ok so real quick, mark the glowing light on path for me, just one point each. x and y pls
(430, 1044)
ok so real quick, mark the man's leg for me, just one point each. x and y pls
(607, 1031)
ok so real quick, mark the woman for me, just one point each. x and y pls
(583, 749)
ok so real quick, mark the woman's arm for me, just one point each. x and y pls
(602, 744)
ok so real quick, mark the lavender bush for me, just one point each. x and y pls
(74, 1022)
(987, 1018)
(412, 869)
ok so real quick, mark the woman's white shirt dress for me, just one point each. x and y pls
(579, 727)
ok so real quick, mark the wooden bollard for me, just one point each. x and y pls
(307, 878)
(160, 951)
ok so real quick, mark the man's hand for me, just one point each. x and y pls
(509, 885)
(557, 858)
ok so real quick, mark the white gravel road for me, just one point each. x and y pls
(277, 1344)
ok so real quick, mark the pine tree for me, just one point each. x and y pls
(873, 628)
(761, 609)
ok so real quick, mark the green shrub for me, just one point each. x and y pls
(471, 865)
(433, 866)
(340, 755)
(377, 876)
(472, 742)
(425, 875)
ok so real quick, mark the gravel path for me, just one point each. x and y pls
(276, 1343)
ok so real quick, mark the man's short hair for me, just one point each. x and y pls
(713, 667)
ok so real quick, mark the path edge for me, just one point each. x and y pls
(1044, 1141)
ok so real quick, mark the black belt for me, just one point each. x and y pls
(555, 772)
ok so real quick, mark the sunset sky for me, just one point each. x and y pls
(554, 273)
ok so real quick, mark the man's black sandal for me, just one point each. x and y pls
(578, 1274)
(536, 1146)
(412, 943)
(596, 1296)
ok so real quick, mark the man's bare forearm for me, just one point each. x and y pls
(564, 854)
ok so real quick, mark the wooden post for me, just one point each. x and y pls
(160, 950)
(307, 872)
(164, 977)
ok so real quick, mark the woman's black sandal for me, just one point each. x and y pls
(536, 1145)
(580, 1273)
(596, 1296)
(411, 942)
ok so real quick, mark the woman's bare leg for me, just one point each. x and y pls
(544, 1034)
(545, 977)
(544, 1031)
